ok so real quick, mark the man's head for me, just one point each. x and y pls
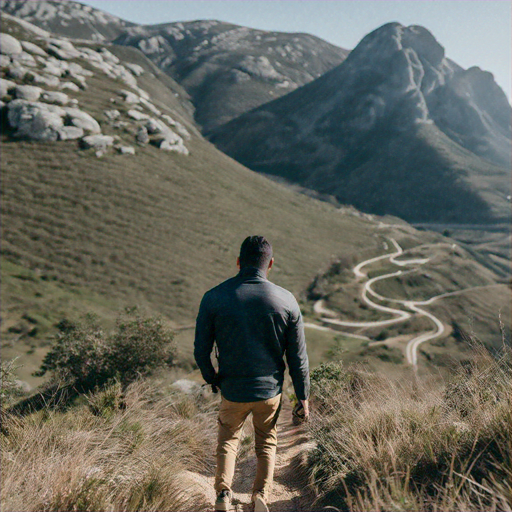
(256, 251)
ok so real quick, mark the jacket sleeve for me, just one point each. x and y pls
(204, 338)
(296, 355)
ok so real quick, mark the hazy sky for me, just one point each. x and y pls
(473, 32)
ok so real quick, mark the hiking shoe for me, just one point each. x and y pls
(223, 502)
(259, 504)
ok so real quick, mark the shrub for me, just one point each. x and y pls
(9, 388)
(86, 357)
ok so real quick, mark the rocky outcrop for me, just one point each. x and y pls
(9, 45)
(42, 121)
(50, 115)
(34, 120)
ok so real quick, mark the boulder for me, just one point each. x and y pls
(35, 120)
(126, 150)
(130, 97)
(138, 116)
(112, 115)
(33, 49)
(62, 49)
(28, 92)
(97, 142)
(9, 45)
(49, 81)
(172, 145)
(70, 132)
(25, 59)
(58, 98)
(82, 120)
(134, 68)
(144, 102)
(186, 386)
(5, 61)
(17, 71)
(6, 86)
(142, 136)
(71, 86)
(52, 69)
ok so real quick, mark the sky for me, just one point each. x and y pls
(473, 32)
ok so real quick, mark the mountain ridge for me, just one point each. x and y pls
(382, 101)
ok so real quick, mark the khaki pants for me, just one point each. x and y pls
(232, 416)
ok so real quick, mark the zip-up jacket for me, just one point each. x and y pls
(255, 324)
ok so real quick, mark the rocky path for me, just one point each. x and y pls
(290, 493)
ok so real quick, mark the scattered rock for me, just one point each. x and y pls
(71, 86)
(82, 120)
(142, 136)
(97, 142)
(6, 86)
(24, 59)
(70, 132)
(150, 106)
(138, 116)
(168, 119)
(28, 92)
(9, 45)
(134, 68)
(112, 115)
(62, 49)
(52, 69)
(186, 386)
(58, 98)
(171, 145)
(182, 130)
(34, 120)
(49, 81)
(5, 61)
(126, 150)
(33, 48)
(17, 72)
(130, 97)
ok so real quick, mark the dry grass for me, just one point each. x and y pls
(117, 453)
(411, 445)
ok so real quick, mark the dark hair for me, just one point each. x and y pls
(255, 251)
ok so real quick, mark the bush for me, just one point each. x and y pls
(86, 357)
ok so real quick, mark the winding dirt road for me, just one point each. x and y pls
(330, 319)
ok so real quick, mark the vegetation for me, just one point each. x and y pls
(85, 357)
(98, 456)
(413, 445)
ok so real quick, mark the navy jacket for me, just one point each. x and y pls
(255, 324)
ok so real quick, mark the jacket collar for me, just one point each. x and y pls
(248, 272)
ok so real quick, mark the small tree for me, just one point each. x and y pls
(86, 357)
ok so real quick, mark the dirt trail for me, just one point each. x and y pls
(289, 493)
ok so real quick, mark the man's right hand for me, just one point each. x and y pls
(305, 404)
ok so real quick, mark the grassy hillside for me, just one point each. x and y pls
(157, 229)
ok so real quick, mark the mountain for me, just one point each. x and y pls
(71, 19)
(396, 128)
(228, 69)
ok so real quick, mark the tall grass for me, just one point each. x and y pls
(132, 452)
(413, 446)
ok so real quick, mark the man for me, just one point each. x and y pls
(255, 324)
